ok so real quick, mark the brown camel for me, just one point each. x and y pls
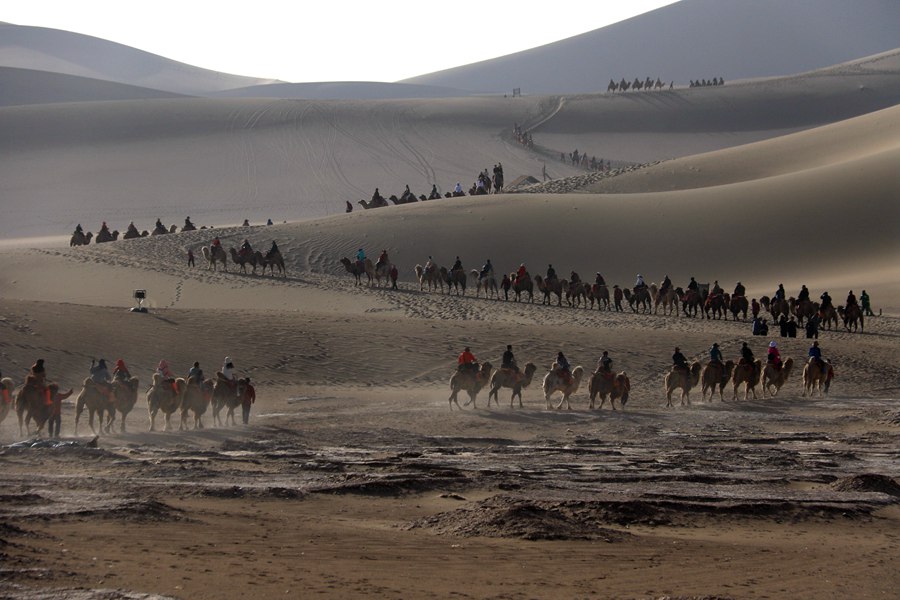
(715, 375)
(600, 294)
(716, 306)
(272, 260)
(99, 400)
(691, 302)
(779, 307)
(748, 375)
(196, 399)
(508, 378)
(775, 378)
(34, 401)
(576, 293)
(639, 297)
(815, 379)
(356, 270)
(81, 239)
(607, 384)
(164, 395)
(520, 286)
(106, 236)
(430, 276)
(685, 380)
(547, 287)
(739, 305)
(668, 299)
(557, 381)
(217, 255)
(471, 381)
(227, 395)
(488, 283)
(131, 234)
(242, 260)
(454, 279)
(852, 316)
(803, 309)
(829, 316)
(6, 397)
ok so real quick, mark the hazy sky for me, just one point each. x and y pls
(323, 40)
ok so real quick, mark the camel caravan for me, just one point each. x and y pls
(216, 255)
(485, 183)
(80, 238)
(637, 85)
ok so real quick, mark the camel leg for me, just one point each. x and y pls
(183, 425)
(168, 422)
(453, 400)
(152, 420)
(122, 424)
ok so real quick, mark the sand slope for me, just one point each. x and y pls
(342, 90)
(27, 86)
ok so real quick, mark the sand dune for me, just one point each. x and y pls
(342, 90)
(691, 39)
(27, 86)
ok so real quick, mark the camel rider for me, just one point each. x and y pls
(485, 269)
(215, 244)
(551, 273)
(120, 372)
(574, 278)
(605, 363)
(851, 300)
(739, 290)
(360, 256)
(509, 360)
(79, 230)
(639, 283)
(435, 194)
(666, 284)
(779, 293)
(746, 355)
(159, 224)
(803, 295)
(246, 249)
(466, 361)
(815, 355)
(104, 228)
(693, 285)
(716, 290)
(132, 228)
(187, 223)
(228, 374)
(521, 272)
(826, 301)
(599, 279)
(100, 376)
(195, 374)
(866, 304)
(429, 265)
(376, 197)
(773, 356)
(457, 265)
(563, 366)
(458, 189)
(273, 250)
(715, 354)
(382, 258)
(163, 369)
(679, 361)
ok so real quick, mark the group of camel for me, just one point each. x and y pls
(803, 310)
(637, 85)
(33, 402)
(105, 235)
(605, 384)
(216, 255)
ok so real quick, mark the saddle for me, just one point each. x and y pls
(607, 374)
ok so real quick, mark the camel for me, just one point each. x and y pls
(716, 306)
(164, 395)
(227, 396)
(454, 279)
(430, 276)
(549, 286)
(575, 293)
(554, 381)
(163, 230)
(133, 233)
(607, 384)
(638, 297)
(749, 376)
(196, 399)
(815, 379)
(685, 380)
(373, 204)
(188, 227)
(612, 87)
(691, 302)
(105, 236)
(98, 401)
(216, 255)
(776, 378)
(125, 395)
(242, 260)
(829, 316)
(488, 283)
(272, 260)
(803, 309)
(668, 299)
(852, 315)
(779, 307)
(6, 397)
(510, 379)
(81, 239)
(600, 294)
(35, 402)
(354, 269)
(737, 305)
(471, 381)
(715, 375)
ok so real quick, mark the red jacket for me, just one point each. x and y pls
(466, 358)
(249, 396)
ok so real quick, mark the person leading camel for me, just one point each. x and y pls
(866, 304)
(394, 273)
(773, 356)
(509, 360)
(247, 400)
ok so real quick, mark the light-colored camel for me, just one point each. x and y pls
(81, 239)
(164, 395)
(747, 375)
(217, 255)
(227, 395)
(715, 375)
(99, 401)
(547, 287)
(125, 395)
(7, 387)
(815, 380)
(488, 283)
(507, 378)
(454, 280)
(773, 379)
(431, 277)
(36, 402)
(196, 399)
(668, 299)
(520, 286)
(470, 381)
(684, 380)
(380, 272)
(354, 269)
(556, 381)
(609, 385)
(829, 316)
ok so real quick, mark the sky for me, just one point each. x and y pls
(326, 40)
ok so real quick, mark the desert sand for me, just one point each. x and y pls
(355, 477)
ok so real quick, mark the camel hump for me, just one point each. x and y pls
(157, 379)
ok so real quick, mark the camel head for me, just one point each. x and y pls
(59, 395)
(695, 372)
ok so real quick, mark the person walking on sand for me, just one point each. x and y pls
(190, 257)
(544, 172)
(866, 304)
(247, 401)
